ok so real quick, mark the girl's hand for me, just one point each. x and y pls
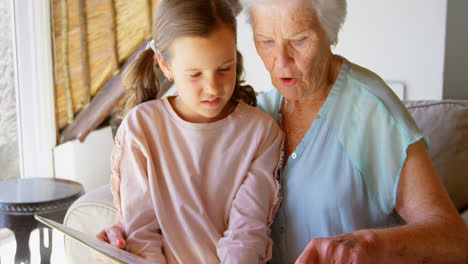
(114, 235)
(353, 248)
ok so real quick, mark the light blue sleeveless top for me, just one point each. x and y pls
(343, 176)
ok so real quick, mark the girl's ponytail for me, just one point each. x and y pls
(141, 80)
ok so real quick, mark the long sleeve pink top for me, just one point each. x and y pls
(197, 193)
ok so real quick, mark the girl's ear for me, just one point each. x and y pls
(166, 69)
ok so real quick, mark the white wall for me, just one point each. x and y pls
(255, 72)
(400, 40)
(86, 162)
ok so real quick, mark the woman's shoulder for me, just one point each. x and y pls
(371, 88)
(371, 81)
(269, 102)
(374, 128)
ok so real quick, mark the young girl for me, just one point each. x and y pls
(194, 176)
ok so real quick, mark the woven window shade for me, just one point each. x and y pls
(91, 40)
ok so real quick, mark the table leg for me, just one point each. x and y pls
(45, 250)
(23, 254)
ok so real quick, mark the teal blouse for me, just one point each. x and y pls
(344, 174)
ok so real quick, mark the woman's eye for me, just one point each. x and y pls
(195, 75)
(299, 41)
(267, 42)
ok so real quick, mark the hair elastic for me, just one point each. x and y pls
(150, 44)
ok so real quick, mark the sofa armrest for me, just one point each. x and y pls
(89, 214)
(445, 123)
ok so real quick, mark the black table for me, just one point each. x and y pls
(21, 199)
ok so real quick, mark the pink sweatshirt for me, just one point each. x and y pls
(197, 193)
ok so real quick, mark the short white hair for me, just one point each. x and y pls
(331, 14)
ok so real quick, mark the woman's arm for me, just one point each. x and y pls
(246, 239)
(434, 233)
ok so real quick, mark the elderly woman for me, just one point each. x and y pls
(358, 183)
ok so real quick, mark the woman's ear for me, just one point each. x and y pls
(166, 69)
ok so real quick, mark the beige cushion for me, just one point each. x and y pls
(465, 216)
(446, 124)
(90, 214)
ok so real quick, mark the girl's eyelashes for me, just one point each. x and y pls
(193, 75)
(197, 74)
(225, 69)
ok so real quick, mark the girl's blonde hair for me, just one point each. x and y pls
(174, 19)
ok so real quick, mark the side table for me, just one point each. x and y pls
(20, 199)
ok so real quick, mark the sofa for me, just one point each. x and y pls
(444, 122)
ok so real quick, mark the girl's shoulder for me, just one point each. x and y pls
(255, 116)
(143, 115)
(147, 108)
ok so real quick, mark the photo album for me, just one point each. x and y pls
(106, 249)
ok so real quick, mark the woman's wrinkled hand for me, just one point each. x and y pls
(353, 248)
(114, 235)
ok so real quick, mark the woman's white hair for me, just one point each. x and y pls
(331, 14)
